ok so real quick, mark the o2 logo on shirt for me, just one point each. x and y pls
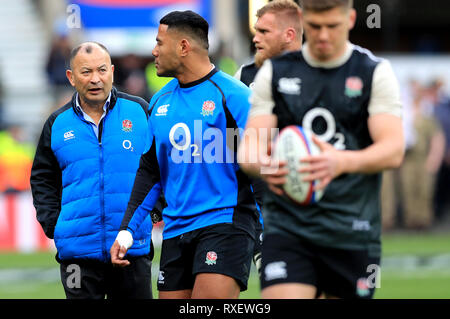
(185, 143)
(330, 132)
(208, 146)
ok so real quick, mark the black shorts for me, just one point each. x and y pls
(337, 272)
(221, 249)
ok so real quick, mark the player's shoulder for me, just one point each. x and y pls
(166, 89)
(249, 66)
(61, 111)
(132, 100)
(365, 56)
(229, 84)
(169, 87)
(66, 107)
(288, 56)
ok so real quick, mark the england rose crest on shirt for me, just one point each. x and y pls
(208, 108)
(362, 288)
(353, 86)
(211, 258)
(127, 126)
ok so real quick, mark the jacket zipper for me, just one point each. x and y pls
(102, 191)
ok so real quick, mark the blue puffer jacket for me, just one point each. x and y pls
(81, 184)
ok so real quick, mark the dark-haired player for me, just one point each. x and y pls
(211, 215)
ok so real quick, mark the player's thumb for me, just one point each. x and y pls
(122, 252)
(321, 144)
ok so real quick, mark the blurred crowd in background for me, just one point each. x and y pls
(415, 196)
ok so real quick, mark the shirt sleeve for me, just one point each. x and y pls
(146, 188)
(46, 182)
(262, 102)
(239, 105)
(238, 74)
(143, 210)
(385, 96)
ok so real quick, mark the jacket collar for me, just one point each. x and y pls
(111, 105)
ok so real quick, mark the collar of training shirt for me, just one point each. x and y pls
(206, 77)
(329, 64)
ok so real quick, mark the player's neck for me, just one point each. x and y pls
(194, 70)
(336, 60)
(94, 110)
(90, 107)
(294, 46)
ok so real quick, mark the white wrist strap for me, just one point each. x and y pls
(125, 239)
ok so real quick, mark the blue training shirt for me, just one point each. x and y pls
(195, 129)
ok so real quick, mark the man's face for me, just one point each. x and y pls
(327, 32)
(167, 61)
(268, 38)
(92, 75)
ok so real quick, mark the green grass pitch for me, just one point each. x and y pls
(418, 273)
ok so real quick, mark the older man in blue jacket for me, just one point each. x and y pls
(82, 176)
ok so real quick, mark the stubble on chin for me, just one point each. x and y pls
(259, 59)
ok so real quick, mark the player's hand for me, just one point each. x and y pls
(274, 173)
(120, 247)
(323, 167)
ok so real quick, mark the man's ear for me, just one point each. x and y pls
(290, 35)
(112, 72)
(352, 18)
(185, 47)
(69, 75)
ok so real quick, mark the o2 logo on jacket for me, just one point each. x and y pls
(126, 144)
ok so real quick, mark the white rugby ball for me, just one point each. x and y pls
(292, 144)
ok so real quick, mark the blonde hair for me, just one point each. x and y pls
(278, 6)
(288, 9)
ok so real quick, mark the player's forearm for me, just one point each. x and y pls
(254, 150)
(141, 190)
(373, 159)
(251, 169)
(143, 210)
(249, 158)
(386, 151)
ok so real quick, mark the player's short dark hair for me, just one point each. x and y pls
(324, 5)
(87, 47)
(189, 23)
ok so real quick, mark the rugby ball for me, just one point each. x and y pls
(292, 144)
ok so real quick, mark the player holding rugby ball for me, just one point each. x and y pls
(350, 100)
